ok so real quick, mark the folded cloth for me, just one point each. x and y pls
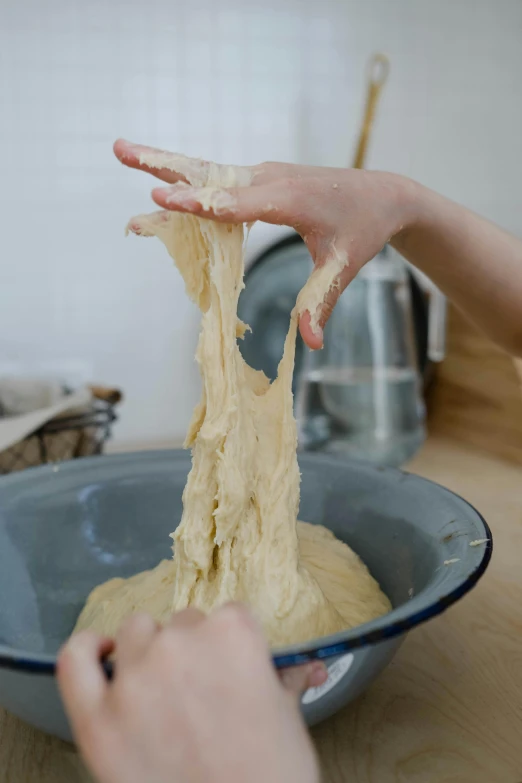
(28, 405)
(25, 395)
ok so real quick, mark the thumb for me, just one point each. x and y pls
(298, 679)
(333, 295)
(318, 297)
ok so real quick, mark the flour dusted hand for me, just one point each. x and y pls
(351, 214)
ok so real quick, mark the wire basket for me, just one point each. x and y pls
(66, 437)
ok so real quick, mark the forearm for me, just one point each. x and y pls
(475, 263)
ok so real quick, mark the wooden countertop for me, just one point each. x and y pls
(449, 707)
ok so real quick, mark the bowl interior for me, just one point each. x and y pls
(67, 528)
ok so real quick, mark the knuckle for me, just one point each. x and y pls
(138, 622)
(77, 643)
(82, 637)
(236, 620)
(289, 183)
(265, 172)
(172, 655)
(166, 643)
(267, 166)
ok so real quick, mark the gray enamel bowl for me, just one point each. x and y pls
(68, 527)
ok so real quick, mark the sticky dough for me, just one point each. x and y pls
(238, 538)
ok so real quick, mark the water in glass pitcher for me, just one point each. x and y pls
(372, 413)
(360, 396)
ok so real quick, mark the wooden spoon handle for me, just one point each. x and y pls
(379, 68)
(106, 394)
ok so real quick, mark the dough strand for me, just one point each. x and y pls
(238, 538)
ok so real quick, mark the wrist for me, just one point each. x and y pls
(411, 210)
(408, 202)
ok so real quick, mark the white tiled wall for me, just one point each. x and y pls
(238, 82)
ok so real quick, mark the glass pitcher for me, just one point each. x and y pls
(361, 395)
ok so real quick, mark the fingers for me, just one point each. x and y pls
(275, 199)
(333, 270)
(314, 340)
(298, 679)
(140, 630)
(134, 638)
(235, 620)
(131, 154)
(270, 203)
(148, 225)
(81, 679)
(174, 168)
(188, 618)
(332, 297)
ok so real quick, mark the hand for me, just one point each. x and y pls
(197, 701)
(342, 211)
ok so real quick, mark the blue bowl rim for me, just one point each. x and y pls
(398, 627)
(317, 649)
